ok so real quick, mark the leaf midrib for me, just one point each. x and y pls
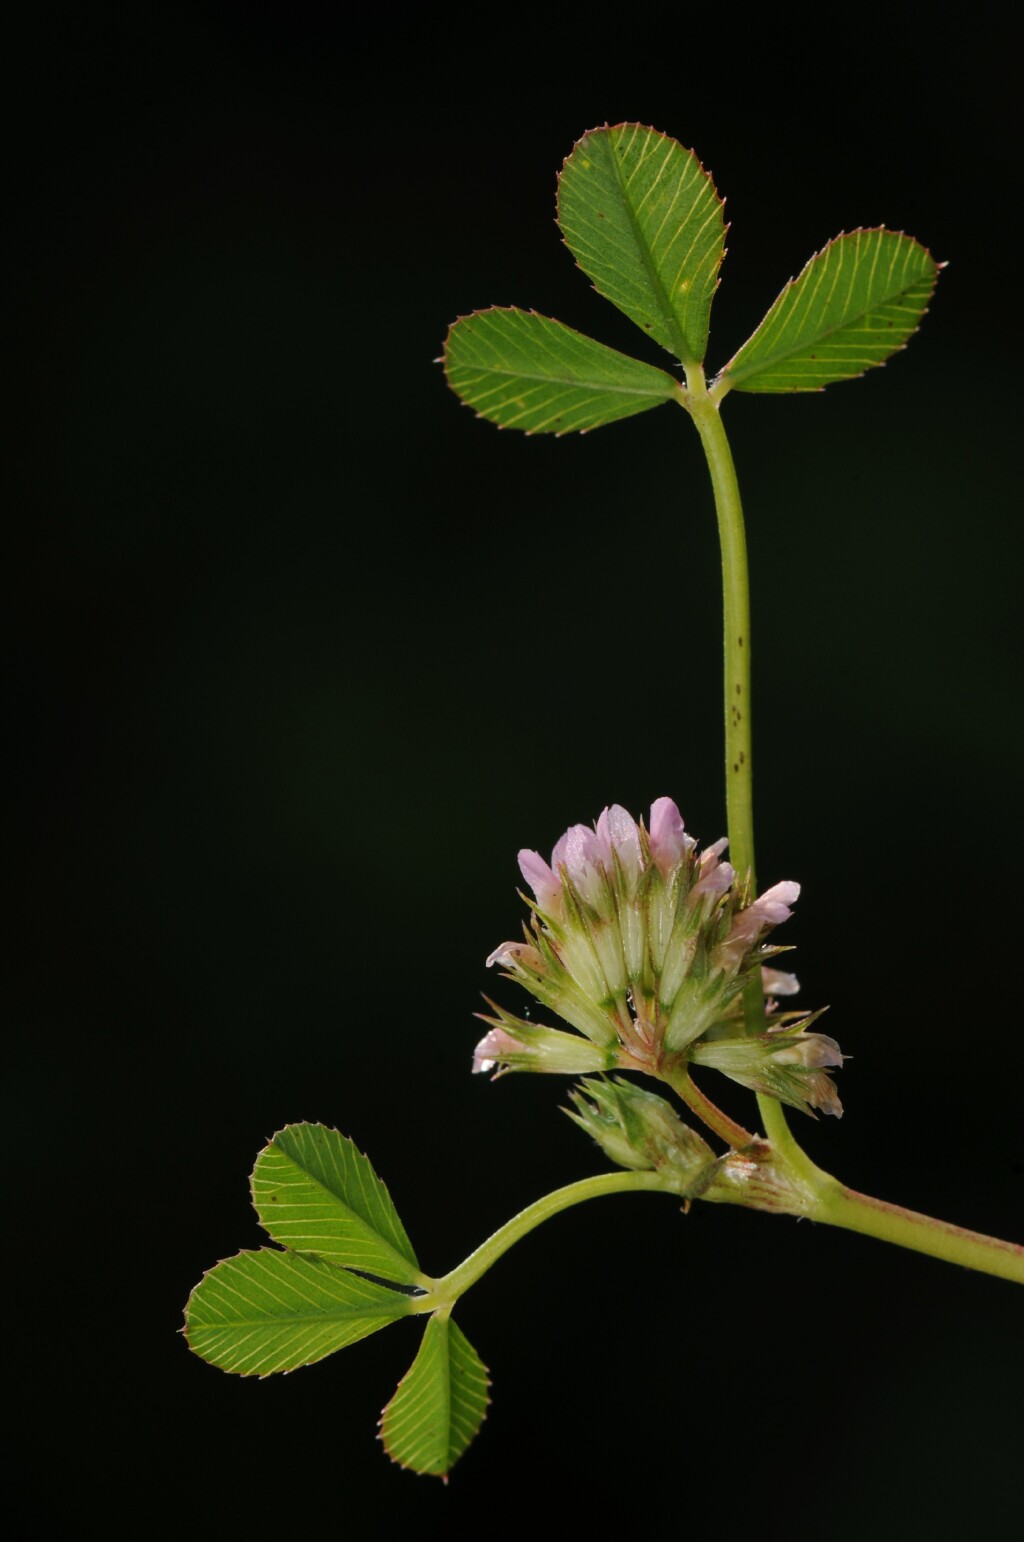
(275, 1321)
(674, 324)
(590, 385)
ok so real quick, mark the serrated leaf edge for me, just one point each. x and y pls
(488, 1383)
(722, 382)
(280, 1252)
(421, 1279)
(519, 310)
(645, 128)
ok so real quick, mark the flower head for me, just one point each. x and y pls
(644, 944)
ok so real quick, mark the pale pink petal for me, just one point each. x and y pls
(603, 839)
(509, 953)
(715, 878)
(813, 1051)
(770, 910)
(668, 838)
(776, 982)
(579, 852)
(617, 831)
(546, 885)
(492, 1047)
(773, 906)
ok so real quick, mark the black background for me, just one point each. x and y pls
(304, 653)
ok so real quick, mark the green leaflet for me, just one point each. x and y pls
(855, 303)
(267, 1311)
(643, 220)
(439, 1404)
(526, 371)
(315, 1192)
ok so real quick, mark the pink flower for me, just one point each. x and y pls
(775, 982)
(618, 836)
(643, 946)
(668, 838)
(546, 886)
(492, 1047)
(579, 853)
(715, 877)
(749, 924)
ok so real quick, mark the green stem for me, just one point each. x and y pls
(739, 798)
(736, 611)
(776, 1127)
(828, 1200)
(447, 1290)
(840, 1206)
(682, 1083)
(732, 536)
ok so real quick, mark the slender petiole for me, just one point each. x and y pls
(833, 1203)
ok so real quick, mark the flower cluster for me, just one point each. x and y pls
(644, 945)
(640, 1131)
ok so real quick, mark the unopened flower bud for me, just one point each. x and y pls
(639, 1130)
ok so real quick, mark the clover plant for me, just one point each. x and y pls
(658, 957)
